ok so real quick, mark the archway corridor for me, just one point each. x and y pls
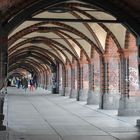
(83, 59)
(40, 115)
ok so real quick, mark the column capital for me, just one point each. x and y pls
(127, 52)
(91, 61)
(73, 65)
(107, 57)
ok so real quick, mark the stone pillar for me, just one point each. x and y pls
(129, 104)
(3, 74)
(68, 75)
(60, 80)
(73, 90)
(81, 92)
(110, 99)
(92, 97)
(49, 86)
(105, 83)
(63, 80)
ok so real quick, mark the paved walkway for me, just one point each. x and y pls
(42, 116)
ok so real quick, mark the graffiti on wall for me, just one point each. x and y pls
(113, 76)
(60, 77)
(69, 78)
(76, 78)
(85, 76)
(133, 78)
(97, 74)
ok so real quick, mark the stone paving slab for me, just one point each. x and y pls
(40, 115)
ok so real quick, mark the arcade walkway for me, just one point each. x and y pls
(42, 116)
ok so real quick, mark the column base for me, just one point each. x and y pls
(82, 95)
(49, 87)
(62, 92)
(110, 101)
(93, 98)
(2, 127)
(67, 91)
(129, 106)
(73, 93)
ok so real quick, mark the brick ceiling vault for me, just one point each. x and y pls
(62, 41)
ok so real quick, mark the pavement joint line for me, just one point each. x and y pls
(87, 106)
(65, 100)
(44, 119)
(109, 134)
(108, 115)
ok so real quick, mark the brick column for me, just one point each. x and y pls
(49, 86)
(68, 79)
(93, 97)
(129, 104)
(3, 74)
(80, 82)
(110, 99)
(90, 99)
(63, 80)
(73, 90)
(104, 80)
(81, 94)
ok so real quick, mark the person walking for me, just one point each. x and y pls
(31, 84)
(25, 84)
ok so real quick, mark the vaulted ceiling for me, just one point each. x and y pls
(40, 35)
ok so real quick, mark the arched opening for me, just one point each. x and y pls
(86, 50)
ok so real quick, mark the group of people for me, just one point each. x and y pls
(24, 82)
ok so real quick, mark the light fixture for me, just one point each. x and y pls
(58, 9)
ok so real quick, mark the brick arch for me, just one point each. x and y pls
(32, 7)
(63, 37)
(66, 27)
(25, 66)
(130, 40)
(37, 52)
(110, 45)
(31, 62)
(22, 56)
(42, 52)
(88, 27)
(57, 58)
(101, 25)
(32, 29)
(45, 41)
(35, 64)
(76, 42)
(16, 69)
(15, 73)
(88, 15)
(57, 32)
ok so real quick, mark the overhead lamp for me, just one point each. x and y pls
(58, 9)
